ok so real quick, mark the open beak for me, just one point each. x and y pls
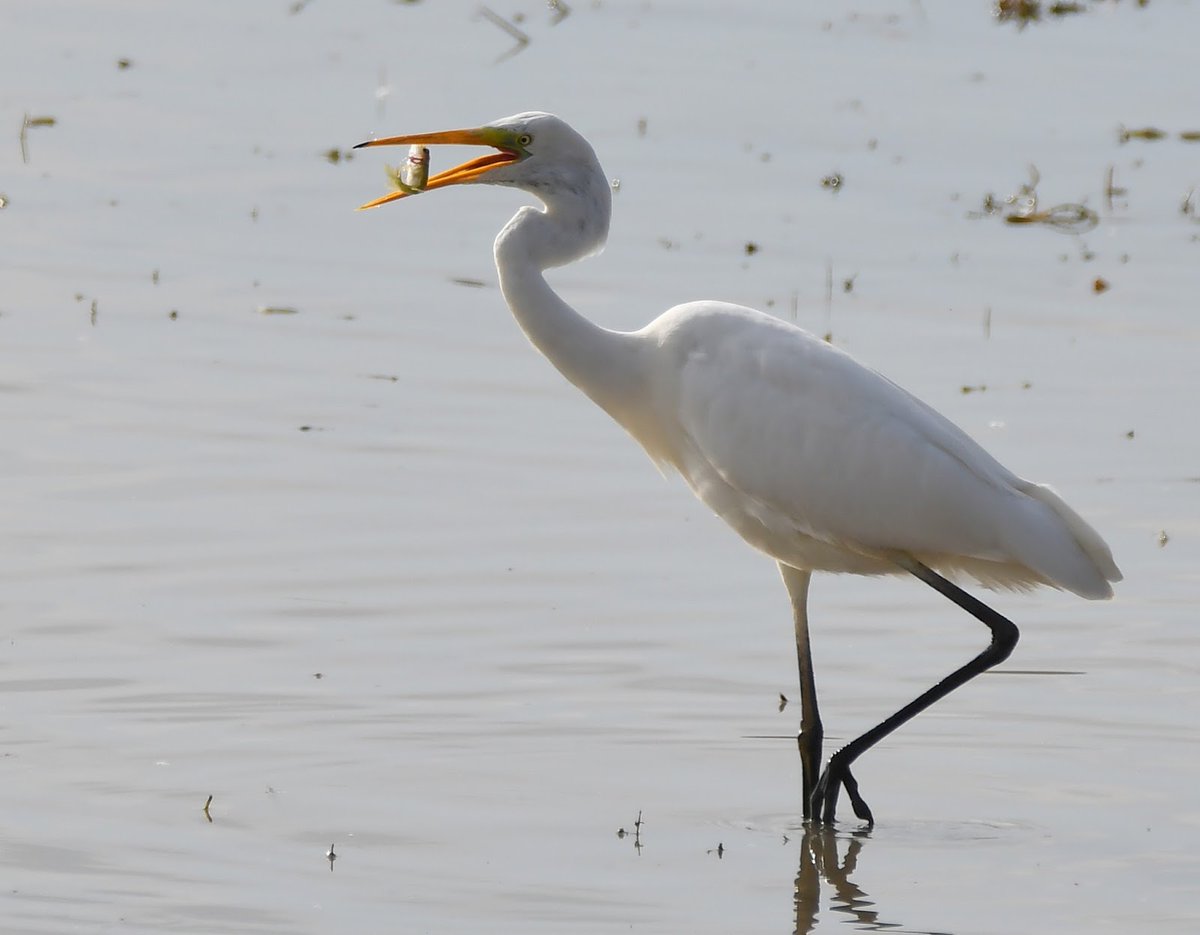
(467, 172)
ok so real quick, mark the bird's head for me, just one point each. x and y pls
(533, 151)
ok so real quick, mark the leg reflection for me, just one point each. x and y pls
(819, 862)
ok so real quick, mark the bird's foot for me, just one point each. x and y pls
(823, 805)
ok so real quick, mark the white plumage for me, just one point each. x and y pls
(826, 465)
(813, 458)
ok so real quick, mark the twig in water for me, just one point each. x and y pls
(26, 123)
(1111, 190)
(520, 37)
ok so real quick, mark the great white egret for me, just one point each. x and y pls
(811, 457)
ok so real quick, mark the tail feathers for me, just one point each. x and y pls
(1058, 544)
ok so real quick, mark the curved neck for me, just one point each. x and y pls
(604, 364)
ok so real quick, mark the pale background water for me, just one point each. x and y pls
(524, 635)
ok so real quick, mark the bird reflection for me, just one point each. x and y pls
(819, 861)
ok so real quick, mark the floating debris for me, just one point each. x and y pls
(123, 63)
(783, 701)
(278, 310)
(331, 857)
(1163, 538)
(95, 313)
(1100, 284)
(981, 388)
(520, 37)
(559, 11)
(1069, 218)
(751, 248)
(719, 850)
(206, 805)
(334, 156)
(3, 201)
(1124, 135)
(26, 125)
(987, 207)
(637, 833)
(1024, 12)
(833, 182)
(1018, 11)
(1190, 136)
(1111, 190)
(469, 283)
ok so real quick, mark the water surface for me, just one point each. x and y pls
(372, 574)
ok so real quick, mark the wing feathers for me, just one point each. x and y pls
(785, 432)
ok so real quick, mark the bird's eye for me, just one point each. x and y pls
(524, 139)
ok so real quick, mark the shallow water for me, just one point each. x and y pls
(370, 573)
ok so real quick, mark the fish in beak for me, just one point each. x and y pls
(509, 148)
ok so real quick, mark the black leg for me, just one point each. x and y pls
(1004, 638)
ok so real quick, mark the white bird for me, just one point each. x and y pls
(811, 457)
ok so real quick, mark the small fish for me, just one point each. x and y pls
(413, 175)
(417, 166)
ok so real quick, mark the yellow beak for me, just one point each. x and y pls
(467, 172)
